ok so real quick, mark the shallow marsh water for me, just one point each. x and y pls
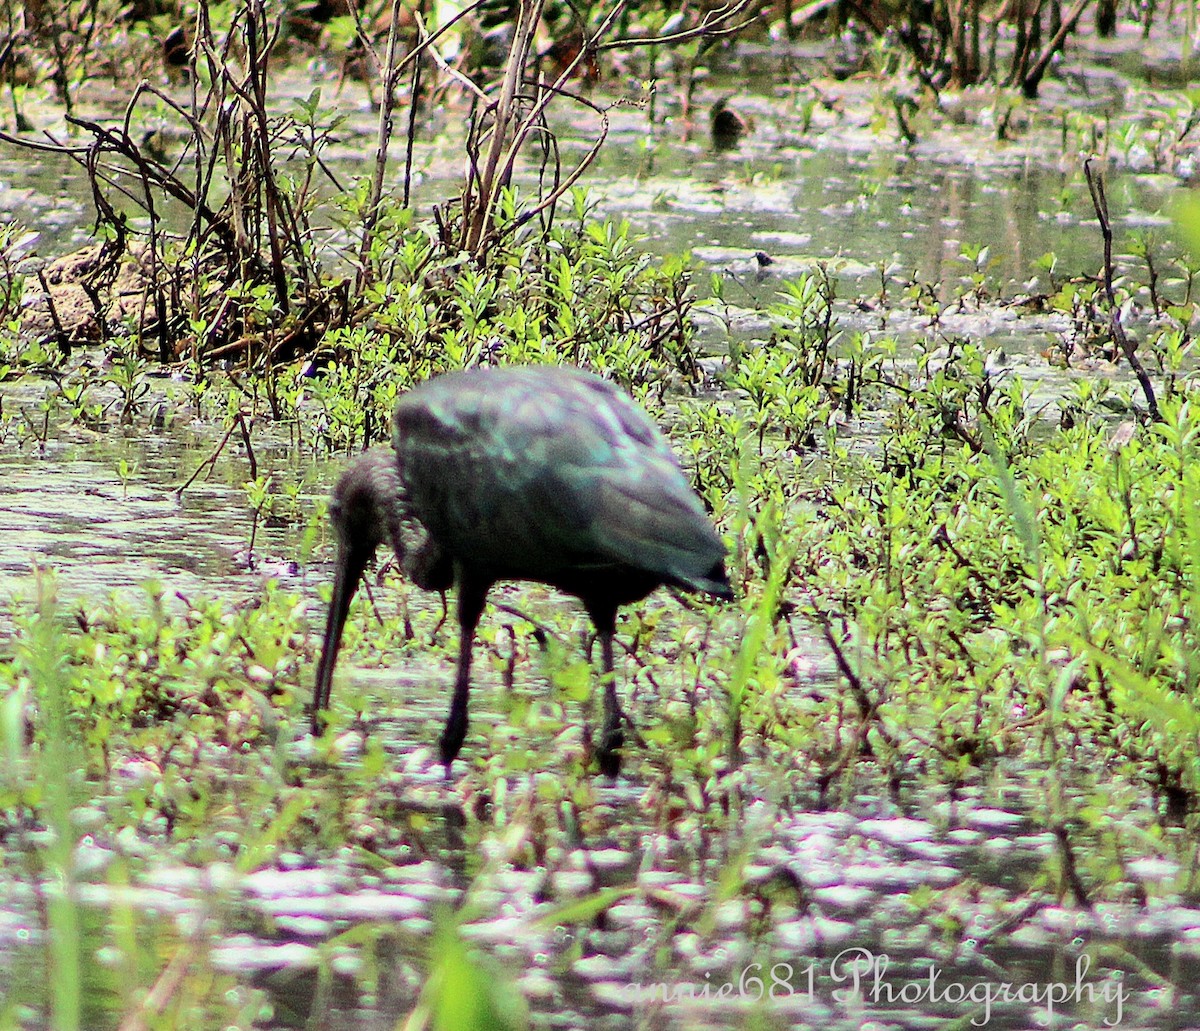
(157, 500)
(865, 913)
(942, 900)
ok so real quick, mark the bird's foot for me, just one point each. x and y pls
(609, 754)
(319, 722)
(448, 751)
(453, 735)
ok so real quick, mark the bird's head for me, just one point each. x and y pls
(365, 512)
(364, 509)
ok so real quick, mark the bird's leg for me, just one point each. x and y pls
(611, 736)
(471, 598)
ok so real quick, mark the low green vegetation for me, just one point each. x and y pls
(994, 579)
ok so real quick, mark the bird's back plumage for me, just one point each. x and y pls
(553, 474)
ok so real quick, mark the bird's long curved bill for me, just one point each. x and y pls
(349, 571)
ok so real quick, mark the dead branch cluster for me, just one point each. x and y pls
(229, 263)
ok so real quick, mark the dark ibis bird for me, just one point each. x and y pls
(522, 473)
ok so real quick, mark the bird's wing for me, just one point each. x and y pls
(642, 511)
(658, 526)
(545, 471)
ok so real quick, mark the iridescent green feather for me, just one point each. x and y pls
(550, 473)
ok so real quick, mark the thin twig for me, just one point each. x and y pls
(64, 344)
(1029, 85)
(494, 174)
(1095, 181)
(715, 23)
(239, 422)
(387, 108)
